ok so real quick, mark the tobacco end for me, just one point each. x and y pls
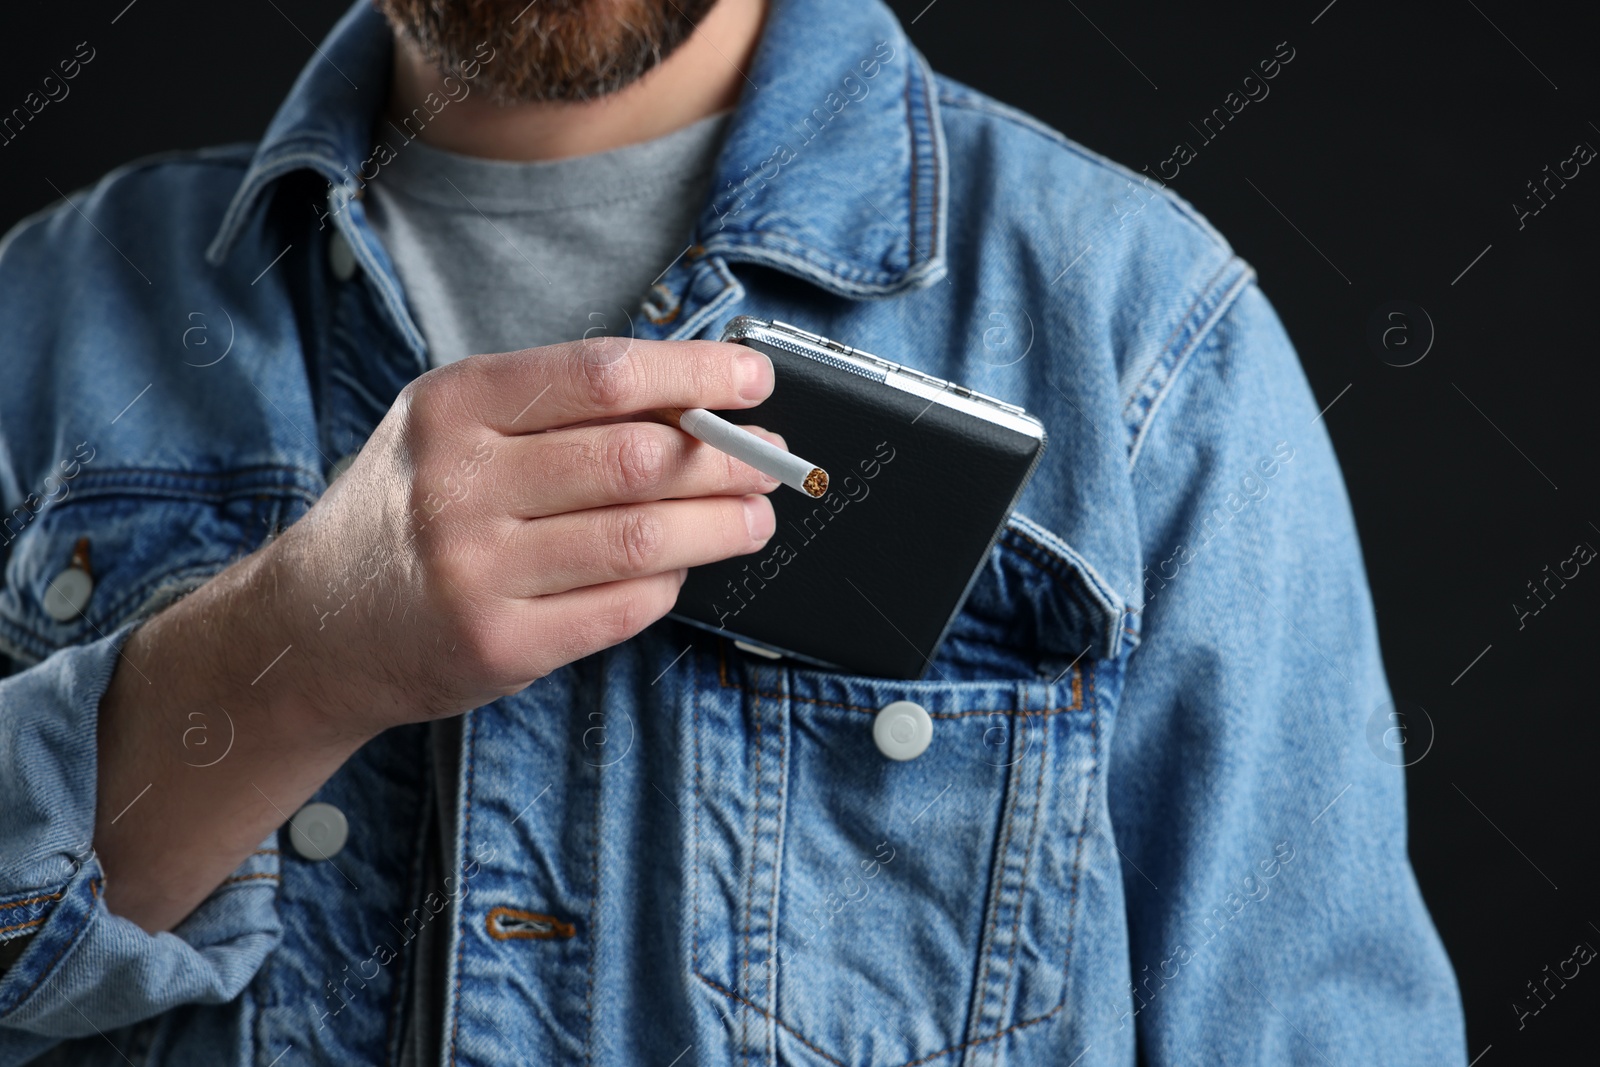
(816, 483)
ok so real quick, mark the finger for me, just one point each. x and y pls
(579, 548)
(541, 388)
(581, 622)
(621, 463)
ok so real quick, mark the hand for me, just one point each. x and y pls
(507, 517)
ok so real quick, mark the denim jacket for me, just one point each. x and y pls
(1156, 820)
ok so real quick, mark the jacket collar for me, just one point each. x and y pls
(833, 168)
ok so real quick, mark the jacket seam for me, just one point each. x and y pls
(972, 100)
(1027, 865)
(755, 844)
(32, 900)
(461, 919)
(1076, 705)
(1083, 832)
(1221, 299)
(211, 156)
(49, 968)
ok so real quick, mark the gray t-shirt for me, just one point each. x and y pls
(496, 257)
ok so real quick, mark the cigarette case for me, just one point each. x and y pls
(922, 476)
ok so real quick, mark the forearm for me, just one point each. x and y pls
(203, 749)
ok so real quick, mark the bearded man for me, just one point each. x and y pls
(341, 718)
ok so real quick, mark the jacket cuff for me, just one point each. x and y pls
(85, 969)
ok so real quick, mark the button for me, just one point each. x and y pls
(902, 730)
(318, 831)
(66, 596)
(340, 465)
(341, 260)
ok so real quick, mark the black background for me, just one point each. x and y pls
(1397, 142)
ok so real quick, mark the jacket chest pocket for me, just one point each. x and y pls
(124, 543)
(847, 907)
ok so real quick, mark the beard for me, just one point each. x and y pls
(547, 50)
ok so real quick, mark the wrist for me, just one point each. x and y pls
(301, 680)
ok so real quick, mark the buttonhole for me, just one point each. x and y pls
(80, 556)
(504, 924)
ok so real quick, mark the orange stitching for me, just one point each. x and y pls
(663, 319)
(911, 194)
(1077, 704)
(19, 926)
(558, 929)
(912, 1063)
(1166, 346)
(777, 870)
(94, 894)
(1027, 864)
(694, 674)
(265, 852)
(999, 894)
(750, 883)
(798, 1035)
(1083, 831)
(246, 878)
(32, 900)
(466, 827)
(997, 1035)
(593, 937)
(1077, 698)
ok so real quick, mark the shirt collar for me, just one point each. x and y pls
(833, 168)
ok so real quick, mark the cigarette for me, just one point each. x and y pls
(746, 447)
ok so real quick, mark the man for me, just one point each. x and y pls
(344, 724)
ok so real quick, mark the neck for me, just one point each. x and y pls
(702, 77)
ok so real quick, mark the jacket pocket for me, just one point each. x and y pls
(850, 908)
(125, 543)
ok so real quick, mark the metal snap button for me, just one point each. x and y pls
(341, 259)
(902, 730)
(318, 831)
(68, 594)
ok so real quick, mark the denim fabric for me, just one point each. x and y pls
(1149, 825)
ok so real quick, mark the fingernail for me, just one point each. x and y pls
(755, 376)
(758, 517)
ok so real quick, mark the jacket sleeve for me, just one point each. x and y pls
(76, 968)
(1257, 790)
